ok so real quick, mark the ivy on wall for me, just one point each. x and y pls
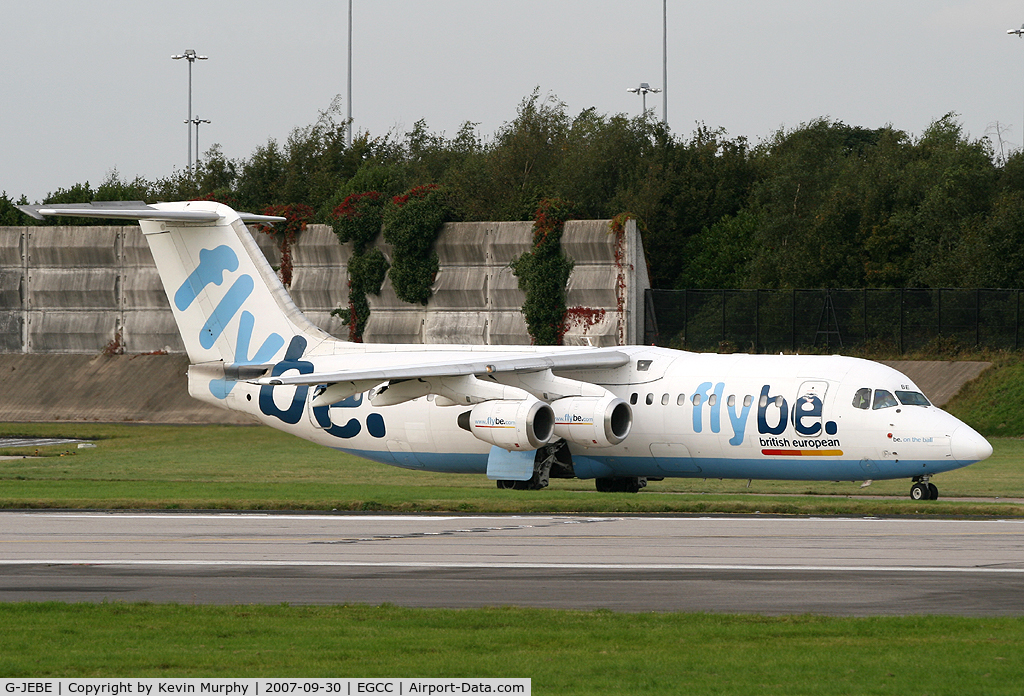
(296, 215)
(358, 220)
(543, 273)
(412, 222)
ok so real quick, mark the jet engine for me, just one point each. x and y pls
(526, 424)
(592, 421)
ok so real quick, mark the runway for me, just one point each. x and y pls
(769, 565)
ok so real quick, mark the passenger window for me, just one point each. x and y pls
(883, 399)
(632, 398)
(696, 399)
(912, 398)
(664, 399)
(762, 402)
(747, 400)
(681, 399)
(713, 399)
(731, 401)
(778, 401)
(650, 399)
(862, 399)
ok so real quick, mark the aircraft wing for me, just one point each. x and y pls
(450, 364)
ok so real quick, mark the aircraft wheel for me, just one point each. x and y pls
(530, 485)
(919, 491)
(933, 491)
(627, 484)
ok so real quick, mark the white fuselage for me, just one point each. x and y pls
(694, 415)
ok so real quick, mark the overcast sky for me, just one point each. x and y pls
(89, 87)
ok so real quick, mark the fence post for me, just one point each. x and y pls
(864, 296)
(977, 317)
(757, 320)
(686, 315)
(723, 319)
(901, 321)
(792, 321)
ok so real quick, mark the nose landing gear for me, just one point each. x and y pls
(923, 490)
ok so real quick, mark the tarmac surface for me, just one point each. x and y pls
(758, 564)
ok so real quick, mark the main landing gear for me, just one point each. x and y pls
(552, 460)
(923, 490)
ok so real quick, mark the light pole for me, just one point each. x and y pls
(1019, 33)
(197, 121)
(191, 56)
(348, 101)
(642, 90)
(664, 61)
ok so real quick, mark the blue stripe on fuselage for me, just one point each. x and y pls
(796, 469)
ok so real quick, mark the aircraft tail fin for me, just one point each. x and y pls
(227, 301)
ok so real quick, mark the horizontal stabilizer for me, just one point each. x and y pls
(134, 210)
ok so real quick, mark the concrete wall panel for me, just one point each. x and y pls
(592, 286)
(11, 327)
(503, 290)
(386, 326)
(462, 287)
(11, 247)
(465, 244)
(507, 328)
(142, 289)
(589, 242)
(319, 287)
(329, 323)
(455, 327)
(70, 332)
(149, 331)
(10, 288)
(67, 288)
(134, 248)
(74, 247)
(318, 246)
(507, 240)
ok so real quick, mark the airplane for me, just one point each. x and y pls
(521, 415)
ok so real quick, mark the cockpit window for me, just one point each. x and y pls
(862, 399)
(883, 399)
(912, 398)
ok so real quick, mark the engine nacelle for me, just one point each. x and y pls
(592, 421)
(513, 425)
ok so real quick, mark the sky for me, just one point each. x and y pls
(90, 88)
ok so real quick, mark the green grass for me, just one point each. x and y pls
(563, 652)
(258, 468)
(992, 403)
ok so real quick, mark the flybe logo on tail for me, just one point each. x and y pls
(213, 264)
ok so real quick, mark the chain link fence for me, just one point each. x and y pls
(770, 321)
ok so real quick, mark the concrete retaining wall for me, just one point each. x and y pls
(78, 290)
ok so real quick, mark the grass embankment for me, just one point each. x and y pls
(993, 404)
(563, 652)
(257, 468)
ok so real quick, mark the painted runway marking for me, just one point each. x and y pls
(531, 566)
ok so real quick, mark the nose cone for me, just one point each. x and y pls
(968, 446)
